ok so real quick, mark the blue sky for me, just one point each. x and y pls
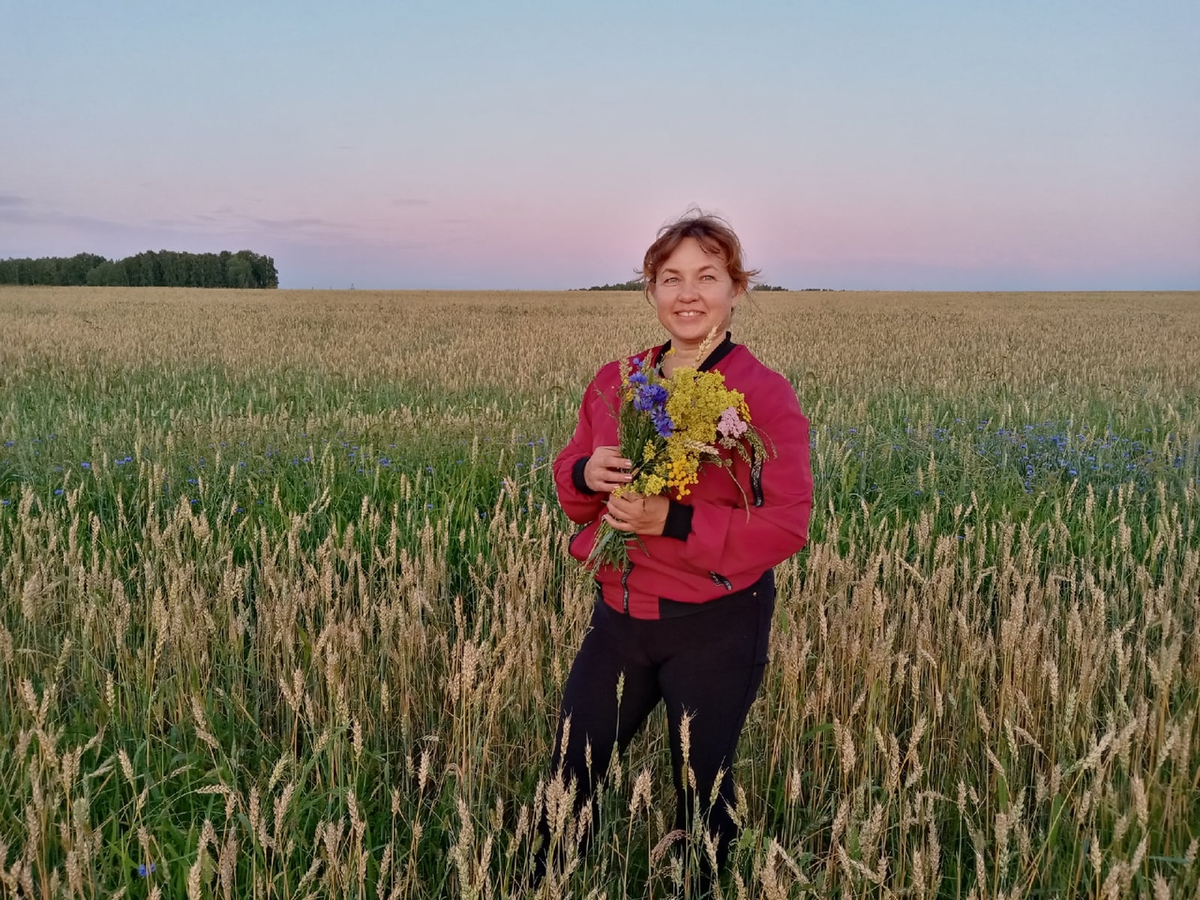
(934, 145)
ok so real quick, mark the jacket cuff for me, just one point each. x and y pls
(577, 478)
(679, 521)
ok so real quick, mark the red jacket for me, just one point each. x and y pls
(731, 542)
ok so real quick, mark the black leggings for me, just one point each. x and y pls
(708, 664)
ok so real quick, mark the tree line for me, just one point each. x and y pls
(164, 268)
(637, 286)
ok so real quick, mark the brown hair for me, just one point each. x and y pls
(714, 235)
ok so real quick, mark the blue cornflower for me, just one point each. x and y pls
(648, 395)
(58, 492)
(86, 465)
(662, 422)
(143, 870)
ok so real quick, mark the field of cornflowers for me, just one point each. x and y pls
(285, 603)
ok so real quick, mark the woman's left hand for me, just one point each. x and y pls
(637, 514)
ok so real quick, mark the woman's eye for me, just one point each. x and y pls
(708, 277)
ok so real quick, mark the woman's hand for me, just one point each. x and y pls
(607, 470)
(637, 514)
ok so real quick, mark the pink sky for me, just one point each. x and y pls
(922, 146)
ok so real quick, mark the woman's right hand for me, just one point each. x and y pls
(607, 470)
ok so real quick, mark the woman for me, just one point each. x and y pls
(688, 621)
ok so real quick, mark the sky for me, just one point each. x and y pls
(541, 145)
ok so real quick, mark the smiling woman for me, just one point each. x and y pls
(695, 275)
(686, 618)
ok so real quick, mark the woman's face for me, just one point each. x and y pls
(693, 294)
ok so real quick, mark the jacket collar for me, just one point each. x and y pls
(718, 353)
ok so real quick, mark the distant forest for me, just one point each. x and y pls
(637, 286)
(623, 286)
(166, 268)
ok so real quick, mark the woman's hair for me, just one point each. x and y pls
(713, 234)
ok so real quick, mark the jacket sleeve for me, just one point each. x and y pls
(581, 504)
(729, 539)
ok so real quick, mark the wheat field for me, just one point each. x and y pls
(286, 607)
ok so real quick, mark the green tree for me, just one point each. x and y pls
(238, 272)
(164, 268)
(109, 274)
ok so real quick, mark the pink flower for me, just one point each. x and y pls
(730, 426)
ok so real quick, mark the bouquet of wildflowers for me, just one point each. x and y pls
(670, 428)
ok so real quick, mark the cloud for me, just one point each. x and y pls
(296, 224)
(16, 214)
(226, 219)
(183, 231)
(301, 237)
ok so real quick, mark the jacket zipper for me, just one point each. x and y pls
(625, 585)
(756, 467)
(721, 580)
